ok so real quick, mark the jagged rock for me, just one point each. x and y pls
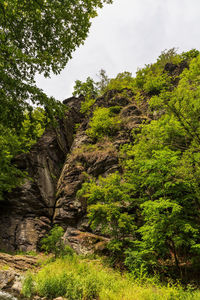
(131, 110)
(85, 242)
(115, 98)
(17, 286)
(6, 279)
(57, 165)
(18, 262)
(26, 214)
(99, 161)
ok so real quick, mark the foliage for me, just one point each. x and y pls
(12, 144)
(87, 104)
(35, 37)
(122, 81)
(103, 82)
(103, 122)
(155, 84)
(86, 89)
(106, 202)
(53, 242)
(169, 57)
(10, 176)
(28, 287)
(38, 37)
(75, 279)
(32, 128)
(151, 210)
(90, 90)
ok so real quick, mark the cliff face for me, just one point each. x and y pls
(57, 165)
(28, 210)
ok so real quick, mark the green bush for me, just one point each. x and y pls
(154, 84)
(28, 285)
(56, 279)
(146, 210)
(16, 141)
(168, 56)
(122, 81)
(88, 88)
(103, 123)
(53, 242)
(87, 104)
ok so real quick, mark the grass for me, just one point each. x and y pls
(78, 279)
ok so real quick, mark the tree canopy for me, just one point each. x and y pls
(151, 209)
(36, 36)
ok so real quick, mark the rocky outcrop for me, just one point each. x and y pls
(85, 242)
(57, 166)
(18, 262)
(89, 159)
(12, 270)
(27, 212)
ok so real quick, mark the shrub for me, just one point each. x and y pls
(53, 242)
(86, 105)
(28, 286)
(87, 88)
(122, 81)
(168, 56)
(156, 83)
(102, 123)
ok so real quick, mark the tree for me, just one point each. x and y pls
(107, 200)
(151, 209)
(53, 243)
(37, 36)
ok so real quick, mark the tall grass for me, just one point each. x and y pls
(76, 279)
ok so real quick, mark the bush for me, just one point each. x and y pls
(168, 56)
(155, 84)
(87, 88)
(28, 286)
(86, 105)
(53, 242)
(65, 278)
(103, 123)
(122, 81)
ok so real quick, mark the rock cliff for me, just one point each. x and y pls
(27, 212)
(56, 167)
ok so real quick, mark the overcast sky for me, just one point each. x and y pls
(127, 35)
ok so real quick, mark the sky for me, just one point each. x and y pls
(124, 37)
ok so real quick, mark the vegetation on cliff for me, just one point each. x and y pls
(146, 204)
(35, 37)
(151, 209)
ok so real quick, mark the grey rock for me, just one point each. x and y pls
(56, 165)
(26, 214)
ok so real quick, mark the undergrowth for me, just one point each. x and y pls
(76, 278)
